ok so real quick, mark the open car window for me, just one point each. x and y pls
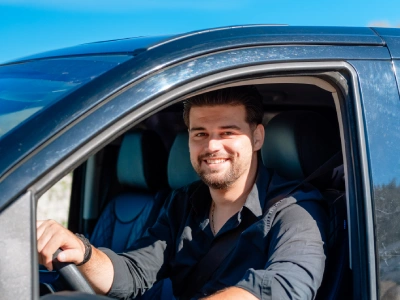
(99, 183)
(55, 203)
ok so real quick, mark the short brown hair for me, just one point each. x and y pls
(247, 96)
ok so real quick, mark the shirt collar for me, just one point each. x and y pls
(256, 199)
(201, 198)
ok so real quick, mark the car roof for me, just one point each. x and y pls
(232, 35)
(392, 39)
(130, 46)
(151, 53)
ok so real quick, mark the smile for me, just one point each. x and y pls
(215, 161)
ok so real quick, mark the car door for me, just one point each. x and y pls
(381, 113)
(167, 73)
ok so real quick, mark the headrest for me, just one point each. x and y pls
(142, 161)
(180, 170)
(299, 142)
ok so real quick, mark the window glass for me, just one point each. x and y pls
(26, 88)
(54, 204)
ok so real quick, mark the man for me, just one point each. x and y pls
(279, 254)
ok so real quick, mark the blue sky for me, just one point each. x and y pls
(28, 26)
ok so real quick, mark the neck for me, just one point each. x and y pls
(228, 202)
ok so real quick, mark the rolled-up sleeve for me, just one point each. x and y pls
(296, 256)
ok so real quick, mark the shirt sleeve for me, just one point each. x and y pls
(296, 255)
(137, 270)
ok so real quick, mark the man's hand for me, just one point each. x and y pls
(232, 293)
(52, 236)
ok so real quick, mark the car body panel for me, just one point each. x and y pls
(391, 36)
(396, 67)
(381, 107)
(232, 36)
(82, 100)
(78, 103)
(79, 124)
(130, 46)
(229, 37)
(18, 246)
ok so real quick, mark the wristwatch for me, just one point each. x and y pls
(88, 249)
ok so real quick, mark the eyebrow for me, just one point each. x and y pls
(235, 127)
(196, 128)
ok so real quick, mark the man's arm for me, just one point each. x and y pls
(296, 255)
(117, 275)
(51, 236)
(122, 275)
(232, 293)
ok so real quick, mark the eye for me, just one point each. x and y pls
(228, 133)
(200, 134)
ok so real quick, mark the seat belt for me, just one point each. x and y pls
(226, 243)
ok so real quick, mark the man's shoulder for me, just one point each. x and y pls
(303, 211)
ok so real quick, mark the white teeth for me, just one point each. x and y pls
(215, 161)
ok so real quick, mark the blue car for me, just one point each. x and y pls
(110, 114)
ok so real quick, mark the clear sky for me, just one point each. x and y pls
(32, 26)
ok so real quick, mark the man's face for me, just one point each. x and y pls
(222, 144)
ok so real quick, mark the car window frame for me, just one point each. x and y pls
(169, 95)
(176, 95)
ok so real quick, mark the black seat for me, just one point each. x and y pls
(141, 170)
(296, 144)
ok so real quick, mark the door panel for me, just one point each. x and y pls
(381, 103)
(18, 275)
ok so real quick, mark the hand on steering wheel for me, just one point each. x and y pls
(71, 274)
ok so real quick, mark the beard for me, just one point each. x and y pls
(216, 179)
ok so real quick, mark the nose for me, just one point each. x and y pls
(214, 144)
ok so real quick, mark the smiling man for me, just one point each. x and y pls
(279, 253)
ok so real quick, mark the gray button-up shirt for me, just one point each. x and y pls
(280, 255)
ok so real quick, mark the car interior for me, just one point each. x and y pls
(119, 192)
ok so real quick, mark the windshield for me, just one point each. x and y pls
(28, 87)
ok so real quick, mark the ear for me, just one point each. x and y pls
(258, 137)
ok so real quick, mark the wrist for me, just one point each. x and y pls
(87, 249)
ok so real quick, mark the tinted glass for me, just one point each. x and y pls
(27, 88)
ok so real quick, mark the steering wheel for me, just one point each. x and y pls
(72, 275)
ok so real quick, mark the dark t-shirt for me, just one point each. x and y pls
(280, 255)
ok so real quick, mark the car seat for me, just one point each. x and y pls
(180, 170)
(296, 144)
(180, 173)
(141, 170)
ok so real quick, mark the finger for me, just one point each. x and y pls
(45, 232)
(70, 255)
(41, 226)
(48, 251)
(50, 238)
(42, 239)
